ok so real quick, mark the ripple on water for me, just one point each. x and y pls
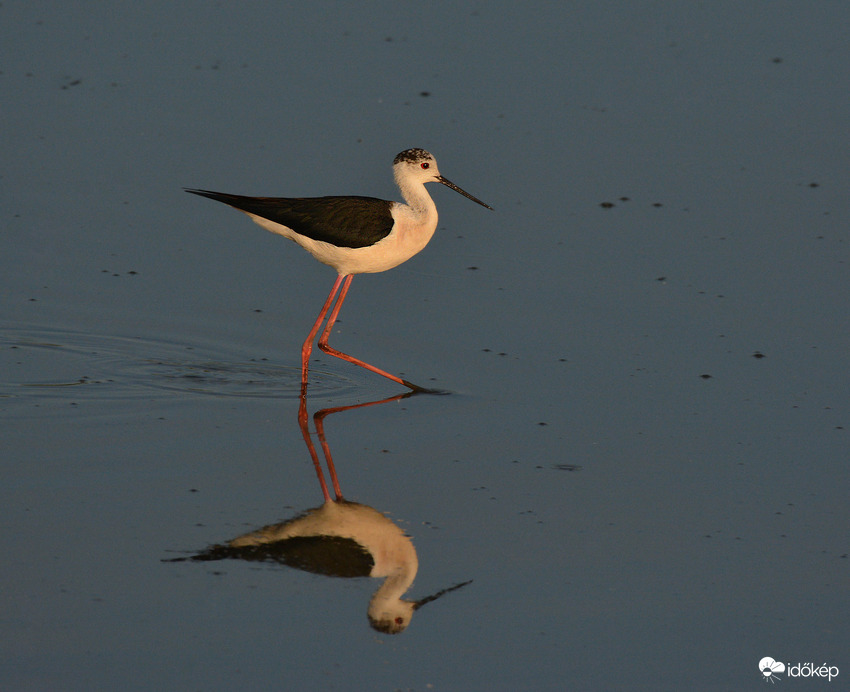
(39, 363)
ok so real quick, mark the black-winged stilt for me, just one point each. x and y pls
(354, 235)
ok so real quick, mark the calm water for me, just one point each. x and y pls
(641, 463)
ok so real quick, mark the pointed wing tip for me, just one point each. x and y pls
(210, 194)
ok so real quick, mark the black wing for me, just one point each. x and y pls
(342, 221)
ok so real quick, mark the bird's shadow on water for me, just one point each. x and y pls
(339, 538)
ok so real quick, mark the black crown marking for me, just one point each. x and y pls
(412, 156)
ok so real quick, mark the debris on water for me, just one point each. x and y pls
(567, 467)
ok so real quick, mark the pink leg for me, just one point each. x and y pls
(307, 348)
(323, 339)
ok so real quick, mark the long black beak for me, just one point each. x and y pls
(418, 604)
(449, 183)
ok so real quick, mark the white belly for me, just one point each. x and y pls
(408, 237)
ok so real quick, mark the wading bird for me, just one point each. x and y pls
(354, 235)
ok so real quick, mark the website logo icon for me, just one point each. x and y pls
(770, 669)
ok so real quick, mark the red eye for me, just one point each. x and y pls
(425, 165)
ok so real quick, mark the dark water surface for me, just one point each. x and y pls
(641, 463)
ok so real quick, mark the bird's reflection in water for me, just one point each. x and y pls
(338, 539)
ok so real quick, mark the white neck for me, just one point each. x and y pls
(416, 196)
